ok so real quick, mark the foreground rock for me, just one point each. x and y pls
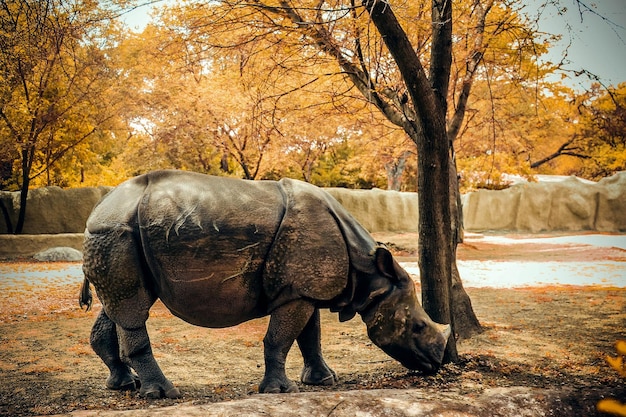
(514, 401)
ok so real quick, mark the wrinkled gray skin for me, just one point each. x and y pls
(220, 251)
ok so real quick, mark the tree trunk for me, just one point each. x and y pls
(435, 252)
(6, 216)
(435, 255)
(394, 170)
(465, 320)
(21, 217)
(27, 158)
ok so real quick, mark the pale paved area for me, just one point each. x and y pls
(516, 401)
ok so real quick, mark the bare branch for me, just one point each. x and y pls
(564, 150)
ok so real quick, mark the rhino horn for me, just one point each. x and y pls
(445, 329)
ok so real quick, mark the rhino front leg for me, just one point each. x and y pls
(286, 324)
(315, 371)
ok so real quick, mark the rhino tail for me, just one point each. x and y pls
(85, 299)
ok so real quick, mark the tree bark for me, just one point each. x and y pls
(394, 171)
(465, 320)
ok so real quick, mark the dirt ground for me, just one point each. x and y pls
(544, 337)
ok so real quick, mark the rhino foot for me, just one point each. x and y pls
(123, 382)
(276, 386)
(156, 391)
(321, 375)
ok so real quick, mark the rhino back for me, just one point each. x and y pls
(205, 240)
(118, 208)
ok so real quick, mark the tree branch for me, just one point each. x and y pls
(474, 58)
(564, 149)
(430, 115)
(359, 76)
(441, 55)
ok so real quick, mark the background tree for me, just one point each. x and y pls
(596, 142)
(551, 131)
(369, 67)
(52, 84)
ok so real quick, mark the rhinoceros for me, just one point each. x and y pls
(220, 251)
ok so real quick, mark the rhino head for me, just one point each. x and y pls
(395, 320)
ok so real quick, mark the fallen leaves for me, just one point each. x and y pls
(44, 343)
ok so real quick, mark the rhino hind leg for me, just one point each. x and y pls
(315, 371)
(105, 343)
(113, 263)
(135, 345)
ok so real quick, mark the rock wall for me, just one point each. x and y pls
(52, 210)
(25, 246)
(570, 205)
(379, 210)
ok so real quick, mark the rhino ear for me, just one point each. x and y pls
(384, 262)
(389, 268)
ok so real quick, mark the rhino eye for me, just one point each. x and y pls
(418, 326)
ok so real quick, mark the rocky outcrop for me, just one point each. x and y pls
(59, 253)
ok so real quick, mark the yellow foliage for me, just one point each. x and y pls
(610, 405)
(247, 91)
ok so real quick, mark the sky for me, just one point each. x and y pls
(597, 39)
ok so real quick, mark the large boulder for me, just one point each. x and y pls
(61, 253)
